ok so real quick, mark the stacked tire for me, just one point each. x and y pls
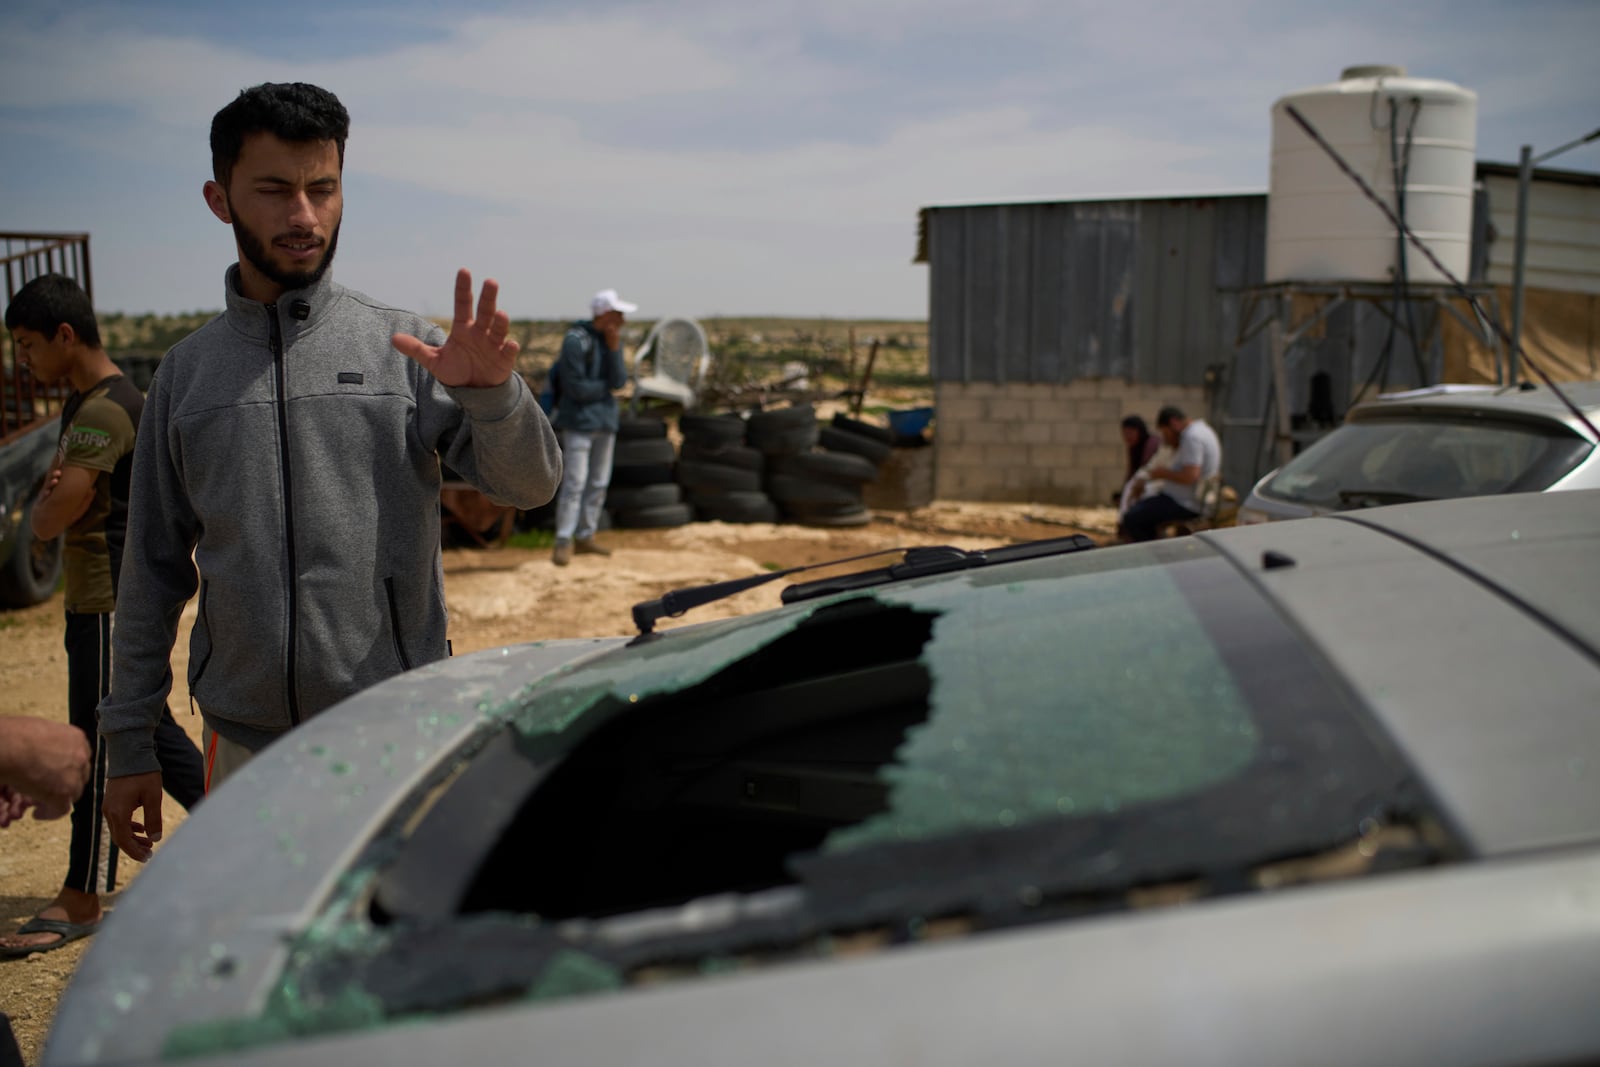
(644, 492)
(813, 484)
(876, 443)
(719, 473)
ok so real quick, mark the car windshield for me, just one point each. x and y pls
(1398, 459)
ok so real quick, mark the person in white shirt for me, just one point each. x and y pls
(1199, 456)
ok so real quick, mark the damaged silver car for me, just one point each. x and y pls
(1326, 790)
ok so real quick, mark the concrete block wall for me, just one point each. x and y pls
(1046, 443)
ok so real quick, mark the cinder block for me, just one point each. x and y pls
(1017, 481)
(985, 432)
(1036, 433)
(1106, 411)
(1001, 456)
(956, 483)
(956, 408)
(1053, 457)
(905, 480)
(1098, 455)
(1070, 432)
(1010, 409)
(1048, 409)
(1107, 480)
(955, 464)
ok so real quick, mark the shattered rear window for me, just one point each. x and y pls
(1046, 705)
(1041, 741)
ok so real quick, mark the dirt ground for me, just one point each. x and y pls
(496, 597)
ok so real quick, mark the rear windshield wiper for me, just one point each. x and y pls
(915, 562)
(936, 560)
(1371, 498)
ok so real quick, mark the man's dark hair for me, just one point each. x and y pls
(49, 300)
(290, 111)
(1169, 415)
(1134, 422)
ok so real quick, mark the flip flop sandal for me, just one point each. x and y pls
(36, 925)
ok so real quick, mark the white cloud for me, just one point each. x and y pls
(722, 150)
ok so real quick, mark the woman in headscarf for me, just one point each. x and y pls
(1142, 448)
(1142, 444)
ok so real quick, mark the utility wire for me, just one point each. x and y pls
(1402, 169)
(1421, 246)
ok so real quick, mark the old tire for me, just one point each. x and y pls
(851, 515)
(635, 497)
(633, 474)
(697, 474)
(712, 429)
(726, 455)
(869, 448)
(839, 467)
(784, 431)
(658, 517)
(736, 507)
(787, 489)
(639, 451)
(864, 429)
(637, 427)
(28, 579)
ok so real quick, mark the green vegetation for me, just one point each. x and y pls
(532, 539)
(148, 333)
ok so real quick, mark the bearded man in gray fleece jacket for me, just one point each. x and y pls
(287, 468)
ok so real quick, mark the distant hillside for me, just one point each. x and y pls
(750, 355)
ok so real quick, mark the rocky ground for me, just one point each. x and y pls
(496, 597)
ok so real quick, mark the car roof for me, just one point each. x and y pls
(1539, 402)
(1494, 546)
(1472, 629)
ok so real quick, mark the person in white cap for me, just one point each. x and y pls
(589, 369)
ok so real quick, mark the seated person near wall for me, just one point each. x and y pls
(1199, 456)
(1142, 484)
(1141, 445)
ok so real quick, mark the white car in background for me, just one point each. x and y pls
(1435, 444)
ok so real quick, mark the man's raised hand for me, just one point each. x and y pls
(478, 353)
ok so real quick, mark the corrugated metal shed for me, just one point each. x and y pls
(1563, 228)
(1053, 292)
(1150, 290)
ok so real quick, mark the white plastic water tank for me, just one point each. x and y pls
(1319, 225)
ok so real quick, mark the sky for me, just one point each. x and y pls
(708, 157)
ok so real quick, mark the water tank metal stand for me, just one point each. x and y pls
(1268, 315)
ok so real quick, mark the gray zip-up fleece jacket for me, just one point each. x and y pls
(291, 454)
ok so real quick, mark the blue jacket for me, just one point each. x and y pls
(584, 377)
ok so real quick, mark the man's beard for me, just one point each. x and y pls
(255, 250)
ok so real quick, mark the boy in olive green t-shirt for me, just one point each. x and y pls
(85, 501)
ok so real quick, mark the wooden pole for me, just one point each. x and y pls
(866, 377)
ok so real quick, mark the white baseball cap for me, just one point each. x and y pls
(608, 300)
